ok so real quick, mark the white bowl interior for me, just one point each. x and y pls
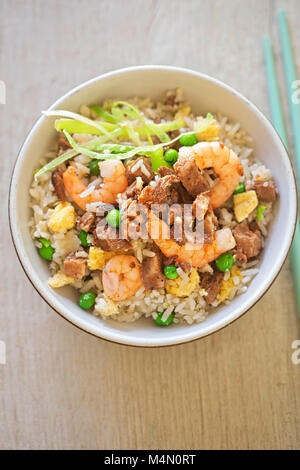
(204, 94)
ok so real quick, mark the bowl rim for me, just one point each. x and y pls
(120, 337)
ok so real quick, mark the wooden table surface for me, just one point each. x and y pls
(60, 387)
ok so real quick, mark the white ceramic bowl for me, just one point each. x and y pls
(205, 94)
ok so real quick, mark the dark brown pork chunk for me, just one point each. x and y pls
(247, 241)
(133, 191)
(165, 171)
(153, 277)
(240, 258)
(158, 194)
(86, 221)
(75, 266)
(139, 167)
(183, 196)
(62, 145)
(134, 221)
(107, 238)
(265, 190)
(186, 267)
(173, 145)
(212, 284)
(58, 183)
(192, 178)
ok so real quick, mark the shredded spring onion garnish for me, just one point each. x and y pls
(79, 117)
(123, 120)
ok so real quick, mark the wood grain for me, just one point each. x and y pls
(62, 388)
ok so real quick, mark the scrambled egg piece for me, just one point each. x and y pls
(206, 131)
(229, 284)
(106, 306)
(62, 218)
(183, 112)
(244, 204)
(98, 258)
(59, 280)
(179, 288)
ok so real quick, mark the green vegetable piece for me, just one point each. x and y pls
(74, 126)
(47, 250)
(259, 212)
(167, 322)
(239, 189)
(104, 114)
(224, 262)
(171, 156)
(120, 149)
(170, 271)
(157, 159)
(113, 218)
(188, 140)
(94, 167)
(83, 238)
(87, 300)
(209, 117)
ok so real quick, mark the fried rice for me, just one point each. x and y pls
(190, 308)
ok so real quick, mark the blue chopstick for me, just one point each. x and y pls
(278, 122)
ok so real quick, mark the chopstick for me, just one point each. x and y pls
(274, 96)
(291, 83)
(278, 122)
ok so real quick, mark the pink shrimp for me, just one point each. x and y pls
(114, 182)
(219, 157)
(196, 254)
(122, 277)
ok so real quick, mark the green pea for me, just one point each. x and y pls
(113, 218)
(239, 189)
(171, 156)
(224, 262)
(47, 250)
(170, 271)
(83, 238)
(87, 300)
(188, 140)
(94, 167)
(158, 320)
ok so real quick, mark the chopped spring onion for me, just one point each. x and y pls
(75, 123)
(74, 126)
(72, 153)
(157, 159)
(142, 150)
(259, 212)
(156, 130)
(131, 111)
(99, 143)
(104, 114)
(78, 117)
(56, 162)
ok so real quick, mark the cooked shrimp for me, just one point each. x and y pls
(196, 254)
(122, 277)
(114, 182)
(222, 159)
(74, 187)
